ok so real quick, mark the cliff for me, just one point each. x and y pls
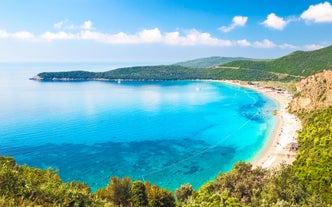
(314, 92)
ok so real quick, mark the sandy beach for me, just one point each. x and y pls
(277, 149)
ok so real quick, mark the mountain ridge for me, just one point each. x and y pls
(207, 62)
(301, 63)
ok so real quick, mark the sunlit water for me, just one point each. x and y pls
(168, 133)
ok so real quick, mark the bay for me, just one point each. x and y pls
(168, 133)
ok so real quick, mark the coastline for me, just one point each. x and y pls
(277, 147)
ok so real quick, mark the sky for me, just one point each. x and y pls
(159, 30)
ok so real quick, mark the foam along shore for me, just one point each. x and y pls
(279, 148)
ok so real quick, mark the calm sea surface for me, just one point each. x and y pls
(168, 133)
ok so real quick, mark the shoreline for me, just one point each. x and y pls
(277, 147)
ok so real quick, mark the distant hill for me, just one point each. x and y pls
(294, 66)
(161, 72)
(209, 61)
(299, 63)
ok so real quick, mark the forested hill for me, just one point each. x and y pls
(294, 66)
(209, 61)
(162, 72)
(298, 63)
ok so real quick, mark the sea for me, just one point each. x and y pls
(166, 132)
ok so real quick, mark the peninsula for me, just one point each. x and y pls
(292, 67)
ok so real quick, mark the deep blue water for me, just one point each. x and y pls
(168, 133)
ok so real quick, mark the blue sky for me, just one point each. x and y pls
(159, 30)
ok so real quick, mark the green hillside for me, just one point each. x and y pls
(208, 62)
(291, 67)
(298, 63)
(162, 72)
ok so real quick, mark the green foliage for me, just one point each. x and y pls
(26, 186)
(164, 72)
(123, 192)
(243, 182)
(184, 192)
(308, 181)
(159, 197)
(140, 198)
(118, 191)
(239, 74)
(298, 63)
(208, 62)
(70, 75)
(314, 163)
(21, 186)
(284, 186)
(161, 72)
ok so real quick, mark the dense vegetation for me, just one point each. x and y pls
(166, 72)
(307, 182)
(208, 62)
(162, 72)
(25, 186)
(298, 63)
(313, 166)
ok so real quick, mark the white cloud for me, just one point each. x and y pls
(67, 25)
(149, 36)
(275, 22)
(238, 21)
(194, 37)
(318, 13)
(144, 36)
(288, 46)
(58, 25)
(244, 43)
(173, 38)
(23, 35)
(313, 47)
(87, 25)
(49, 36)
(3, 34)
(119, 38)
(96, 36)
(264, 44)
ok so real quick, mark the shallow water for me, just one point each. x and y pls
(168, 133)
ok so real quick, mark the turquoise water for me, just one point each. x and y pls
(168, 133)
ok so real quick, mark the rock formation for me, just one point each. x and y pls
(314, 92)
